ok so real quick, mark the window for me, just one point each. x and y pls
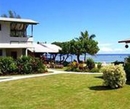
(18, 30)
(0, 27)
(1, 52)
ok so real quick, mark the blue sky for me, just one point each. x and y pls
(63, 20)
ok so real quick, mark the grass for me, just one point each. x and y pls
(62, 91)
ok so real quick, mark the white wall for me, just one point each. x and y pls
(5, 32)
(19, 52)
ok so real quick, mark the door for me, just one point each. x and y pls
(14, 54)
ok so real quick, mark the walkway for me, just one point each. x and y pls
(52, 72)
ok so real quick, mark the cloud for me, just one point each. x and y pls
(112, 48)
(104, 44)
(106, 49)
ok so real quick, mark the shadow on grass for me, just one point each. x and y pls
(128, 82)
(100, 88)
(100, 77)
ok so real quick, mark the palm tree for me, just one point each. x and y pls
(11, 14)
(87, 43)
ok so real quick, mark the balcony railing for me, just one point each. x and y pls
(21, 40)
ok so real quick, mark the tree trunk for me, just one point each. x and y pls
(84, 57)
(54, 56)
(78, 58)
(60, 58)
(66, 57)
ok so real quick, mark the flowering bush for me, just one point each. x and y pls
(114, 76)
(27, 65)
(22, 65)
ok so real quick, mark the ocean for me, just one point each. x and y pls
(107, 58)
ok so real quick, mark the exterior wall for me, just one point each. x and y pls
(5, 32)
(18, 51)
(8, 52)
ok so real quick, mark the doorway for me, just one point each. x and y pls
(14, 54)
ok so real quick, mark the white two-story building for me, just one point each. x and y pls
(16, 36)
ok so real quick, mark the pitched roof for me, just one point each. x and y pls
(20, 20)
(52, 46)
(39, 48)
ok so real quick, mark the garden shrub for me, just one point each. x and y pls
(24, 65)
(118, 62)
(114, 76)
(94, 70)
(72, 66)
(27, 65)
(65, 63)
(90, 63)
(127, 68)
(99, 65)
(7, 65)
(38, 65)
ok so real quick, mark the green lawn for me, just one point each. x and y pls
(62, 91)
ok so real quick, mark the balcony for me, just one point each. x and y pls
(21, 40)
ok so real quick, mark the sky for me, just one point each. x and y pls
(63, 20)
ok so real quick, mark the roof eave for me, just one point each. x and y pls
(27, 21)
(124, 41)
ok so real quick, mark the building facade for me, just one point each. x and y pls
(16, 36)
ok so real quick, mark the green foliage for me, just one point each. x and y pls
(78, 46)
(73, 66)
(23, 65)
(128, 59)
(27, 65)
(90, 63)
(114, 76)
(118, 62)
(7, 65)
(95, 69)
(99, 65)
(88, 44)
(65, 63)
(83, 67)
(127, 68)
(38, 65)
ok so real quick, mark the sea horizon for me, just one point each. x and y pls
(101, 57)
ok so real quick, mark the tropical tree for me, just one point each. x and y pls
(11, 14)
(76, 48)
(65, 52)
(89, 45)
(84, 44)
